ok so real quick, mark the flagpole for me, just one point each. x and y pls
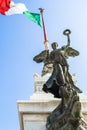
(46, 42)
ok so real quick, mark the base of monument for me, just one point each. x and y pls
(33, 113)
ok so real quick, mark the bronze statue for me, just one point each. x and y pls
(66, 50)
(60, 78)
(61, 55)
(67, 115)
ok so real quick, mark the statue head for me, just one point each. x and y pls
(54, 45)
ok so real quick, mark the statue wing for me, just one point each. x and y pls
(41, 57)
(72, 52)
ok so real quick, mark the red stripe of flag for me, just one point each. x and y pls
(4, 6)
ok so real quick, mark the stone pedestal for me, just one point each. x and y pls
(33, 113)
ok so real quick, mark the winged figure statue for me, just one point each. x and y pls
(66, 50)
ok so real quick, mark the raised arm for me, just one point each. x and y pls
(66, 50)
(67, 32)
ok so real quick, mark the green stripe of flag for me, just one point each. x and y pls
(33, 16)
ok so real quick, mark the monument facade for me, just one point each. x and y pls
(33, 113)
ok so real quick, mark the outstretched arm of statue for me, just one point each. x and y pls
(67, 33)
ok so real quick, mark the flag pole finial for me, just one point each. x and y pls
(41, 10)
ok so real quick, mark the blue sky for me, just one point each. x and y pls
(21, 40)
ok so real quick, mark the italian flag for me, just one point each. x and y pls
(8, 7)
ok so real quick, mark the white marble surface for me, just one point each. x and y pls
(33, 112)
